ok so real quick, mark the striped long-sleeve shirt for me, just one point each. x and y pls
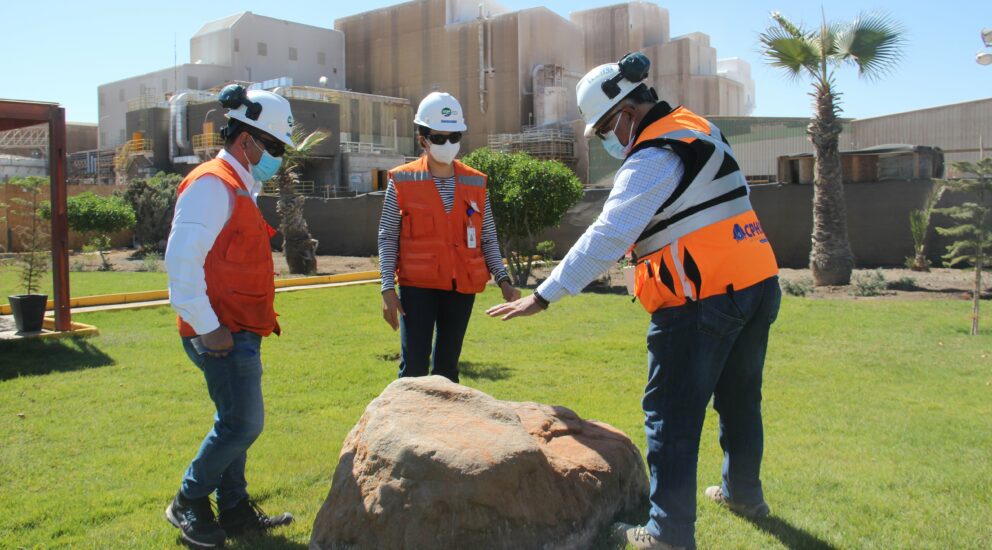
(389, 232)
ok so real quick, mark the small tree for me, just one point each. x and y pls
(153, 201)
(298, 245)
(919, 225)
(527, 196)
(33, 236)
(97, 217)
(973, 232)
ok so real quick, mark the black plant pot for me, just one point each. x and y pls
(29, 311)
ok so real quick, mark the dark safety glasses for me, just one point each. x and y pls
(275, 148)
(439, 139)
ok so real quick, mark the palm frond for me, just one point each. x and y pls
(793, 30)
(793, 54)
(873, 42)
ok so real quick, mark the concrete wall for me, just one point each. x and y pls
(345, 226)
(878, 221)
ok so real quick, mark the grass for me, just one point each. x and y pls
(876, 417)
(87, 283)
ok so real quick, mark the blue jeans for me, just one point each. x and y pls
(715, 347)
(426, 309)
(235, 386)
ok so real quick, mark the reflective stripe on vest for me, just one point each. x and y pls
(706, 238)
(717, 192)
(434, 249)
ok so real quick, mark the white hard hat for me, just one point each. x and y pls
(595, 99)
(275, 117)
(440, 111)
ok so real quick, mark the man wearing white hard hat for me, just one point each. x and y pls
(704, 271)
(437, 236)
(221, 285)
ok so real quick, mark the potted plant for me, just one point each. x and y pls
(29, 308)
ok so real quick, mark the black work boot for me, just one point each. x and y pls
(195, 519)
(246, 516)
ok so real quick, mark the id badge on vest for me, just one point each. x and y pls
(470, 236)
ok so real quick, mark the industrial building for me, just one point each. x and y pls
(241, 48)
(513, 71)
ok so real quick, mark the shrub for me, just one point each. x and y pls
(869, 283)
(799, 288)
(527, 196)
(153, 201)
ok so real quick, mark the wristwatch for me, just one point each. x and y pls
(540, 300)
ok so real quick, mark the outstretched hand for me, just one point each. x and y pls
(527, 305)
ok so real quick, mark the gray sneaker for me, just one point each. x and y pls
(759, 510)
(640, 538)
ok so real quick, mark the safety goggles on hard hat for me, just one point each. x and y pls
(440, 139)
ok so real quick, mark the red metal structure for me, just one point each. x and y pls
(19, 114)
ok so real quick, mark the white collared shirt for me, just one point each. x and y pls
(643, 183)
(201, 213)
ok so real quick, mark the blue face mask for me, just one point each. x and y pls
(267, 166)
(612, 143)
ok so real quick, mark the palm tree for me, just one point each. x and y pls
(298, 245)
(872, 43)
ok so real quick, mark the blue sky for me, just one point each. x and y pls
(85, 44)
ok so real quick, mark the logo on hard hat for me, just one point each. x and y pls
(446, 111)
(289, 120)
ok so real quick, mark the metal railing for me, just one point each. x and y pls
(207, 141)
(305, 187)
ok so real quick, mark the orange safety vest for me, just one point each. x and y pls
(439, 249)
(706, 238)
(238, 269)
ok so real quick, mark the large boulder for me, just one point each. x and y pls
(433, 464)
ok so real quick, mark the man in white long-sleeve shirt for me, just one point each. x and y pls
(221, 285)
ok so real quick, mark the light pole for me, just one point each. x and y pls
(983, 57)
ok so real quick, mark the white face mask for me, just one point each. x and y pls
(444, 154)
(612, 143)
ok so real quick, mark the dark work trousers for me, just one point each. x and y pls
(427, 308)
(712, 348)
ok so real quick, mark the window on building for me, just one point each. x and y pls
(263, 48)
(165, 86)
(192, 83)
(237, 45)
(123, 135)
(321, 58)
(120, 94)
(99, 96)
(292, 54)
(334, 70)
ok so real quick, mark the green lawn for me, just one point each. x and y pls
(87, 283)
(878, 417)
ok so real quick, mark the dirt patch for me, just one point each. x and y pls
(898, 284)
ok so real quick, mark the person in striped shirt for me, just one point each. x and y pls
(437, 236)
